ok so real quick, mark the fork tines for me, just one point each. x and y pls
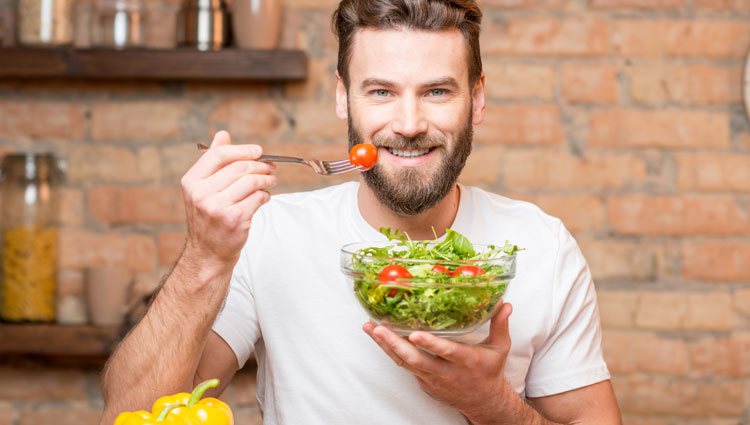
(338, 167)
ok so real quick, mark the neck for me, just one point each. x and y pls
(419, 227)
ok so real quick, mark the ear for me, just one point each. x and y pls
(341, 98)
(477, 96)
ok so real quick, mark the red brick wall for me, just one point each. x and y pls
(623, 117)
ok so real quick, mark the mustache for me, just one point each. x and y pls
(402, 143)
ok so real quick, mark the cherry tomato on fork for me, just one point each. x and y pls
(390, 275)
(468, 271)
(364, 154)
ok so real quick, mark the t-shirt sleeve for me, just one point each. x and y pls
(571, 357)
(237, 322)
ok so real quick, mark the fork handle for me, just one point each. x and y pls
(280, 158)
(270, 158)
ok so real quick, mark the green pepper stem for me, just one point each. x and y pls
(168, 408)
(198, 392)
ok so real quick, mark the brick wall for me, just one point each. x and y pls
(623, 117)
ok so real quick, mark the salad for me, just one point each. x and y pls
(448, 286)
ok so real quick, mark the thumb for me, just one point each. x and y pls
(221, 138)
(499, 329)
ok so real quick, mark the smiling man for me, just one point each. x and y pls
(409, 81)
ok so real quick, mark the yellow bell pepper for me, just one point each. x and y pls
(142, 417)
(183, 409)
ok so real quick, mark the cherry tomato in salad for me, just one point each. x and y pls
(390, 275)
(468, 271)
(364, 154)
(437, 268)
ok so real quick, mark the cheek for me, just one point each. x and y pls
(448, 121)
(371, 120)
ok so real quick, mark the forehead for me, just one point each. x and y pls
(406, 56)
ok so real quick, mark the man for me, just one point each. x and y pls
(409, 81)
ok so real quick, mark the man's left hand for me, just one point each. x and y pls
(467, 377)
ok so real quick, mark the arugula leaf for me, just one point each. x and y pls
(461, 245)
(393, 234)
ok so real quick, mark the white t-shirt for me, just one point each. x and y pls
(290, 305)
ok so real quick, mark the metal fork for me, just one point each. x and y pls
(324, 168)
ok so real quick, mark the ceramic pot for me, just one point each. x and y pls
(257, 23)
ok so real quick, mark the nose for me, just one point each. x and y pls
(409, 120)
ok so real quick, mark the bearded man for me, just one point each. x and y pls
(259, 276)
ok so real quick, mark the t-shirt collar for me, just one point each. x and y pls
(366, 232)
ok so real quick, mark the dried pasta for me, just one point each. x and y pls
(29, 273)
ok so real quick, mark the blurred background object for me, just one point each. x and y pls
(257, 23)
(83, 14)
(107, 290)
(204, 24)
(118, 24)
(161, 24)
(7, 23)
(45, 22)
(30, 192)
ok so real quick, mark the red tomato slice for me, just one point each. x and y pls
(437, 268)
(364, 154)
(468, 271)
(390, 275)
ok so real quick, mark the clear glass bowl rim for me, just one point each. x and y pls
(502, 258)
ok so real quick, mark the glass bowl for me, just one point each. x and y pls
(443, 297)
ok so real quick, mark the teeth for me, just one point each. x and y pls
(408, 153)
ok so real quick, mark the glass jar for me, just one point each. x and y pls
(204, 24)
(118, 24)
(30, 200)
(45, 22)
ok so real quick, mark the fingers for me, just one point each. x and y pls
(402, 352)
(221, 138)
(232, 172)
(221, 153)
(248, 206)
(246, 185)
(499, 327)
(451, 351)
(466, 355)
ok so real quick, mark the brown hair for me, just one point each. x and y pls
(426, 15)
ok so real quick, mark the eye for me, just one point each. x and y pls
(437, 92)
(381, 92)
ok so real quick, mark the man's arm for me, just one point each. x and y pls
(594, 404)
(591, 405)
(162, 354)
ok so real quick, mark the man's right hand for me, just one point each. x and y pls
(222, 191)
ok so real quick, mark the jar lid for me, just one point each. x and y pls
(30, 165)
(29, 155)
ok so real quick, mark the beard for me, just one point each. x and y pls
(410, 190)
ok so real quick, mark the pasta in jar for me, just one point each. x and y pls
(29, 273)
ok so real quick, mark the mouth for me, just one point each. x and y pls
(409, 153)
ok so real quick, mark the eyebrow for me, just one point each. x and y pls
(369, 82)
(440, 82)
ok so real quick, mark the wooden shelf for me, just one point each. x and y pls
(57, 340)
(146, 64)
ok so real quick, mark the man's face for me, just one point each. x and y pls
(409, 94)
